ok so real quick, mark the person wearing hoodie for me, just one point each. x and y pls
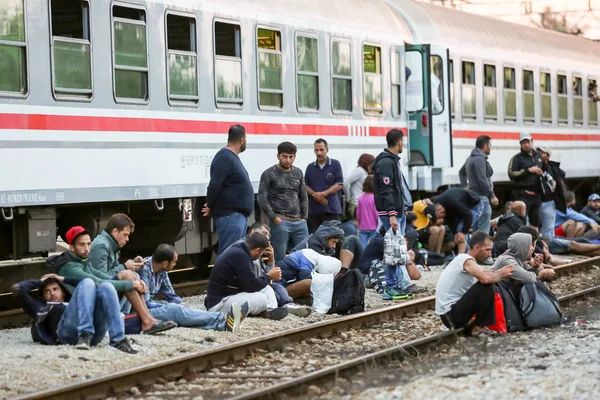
(508, 224)
(81, 319)
(520, 250)
(476, 174)
(296, 270)
(75, 264)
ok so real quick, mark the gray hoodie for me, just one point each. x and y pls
(477, 174)
(517, 254)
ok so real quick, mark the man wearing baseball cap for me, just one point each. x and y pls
(592, 210)
(525, 170)
(553, 198)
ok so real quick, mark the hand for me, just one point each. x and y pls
(494, 201)
(140, 286)
(277, 220)
(394, 223)
(205, 210)
(595, 228)
(270, 254)
(132, 265)
(48, 276)
(139, 259)
(547, 274)
(274, 274)
(460, 237)
(538, 260)
(535, 170)
(506, 271)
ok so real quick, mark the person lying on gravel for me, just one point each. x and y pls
(275, 291)
(297, 268)
(520, 250)
(75, 264)
(466, 289)
(232, 279)
(81, 319)
(155, 274)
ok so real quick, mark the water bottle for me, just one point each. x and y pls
(424, 255)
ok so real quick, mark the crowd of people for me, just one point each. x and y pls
(318, 222)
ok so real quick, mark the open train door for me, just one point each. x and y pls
(428, 105)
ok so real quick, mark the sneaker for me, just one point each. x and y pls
(123, 346)
(414, 289)
(395, 294)
(245, 309)
(275, 314)
(234, 319)
(84, 341)
(298, 310)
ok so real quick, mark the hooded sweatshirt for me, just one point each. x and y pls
(387, 185)
(477, 174)
(318, 240)
(517, 255)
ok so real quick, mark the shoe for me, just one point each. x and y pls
(234, 319)
(123, 346)
(160, 326)
(414, 289)
(84, 341)
(275, 314)
(395, 294)
(245, 309)
(298, 310)
(489, 261)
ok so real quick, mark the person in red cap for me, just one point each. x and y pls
(75, 264)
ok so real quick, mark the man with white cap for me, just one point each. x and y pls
(526, 169)
(592, 210)
(553, 198)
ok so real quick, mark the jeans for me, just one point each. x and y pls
(230, 229)
(483, 222)
(281, 294)
(190, 317)
(365, 236)
(287, 235)
(548, 219)
(477, 212)
(93, 310)
(400, 218)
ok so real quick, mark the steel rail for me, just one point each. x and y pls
(100, 387)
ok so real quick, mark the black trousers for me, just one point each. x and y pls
(533, 204)
(315, 220)
(479, 301)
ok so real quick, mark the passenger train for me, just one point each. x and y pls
(119, 106)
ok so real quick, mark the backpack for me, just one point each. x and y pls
(539, 305)
(513, 315)
(348, 293)
(376, 276)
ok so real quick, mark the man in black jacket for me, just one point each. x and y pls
(508, 224)
(554, 199)
(525, 170)
(592, 210)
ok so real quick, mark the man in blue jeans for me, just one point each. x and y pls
(230, 195)
(392, 199)
(90, 312)
(282, 197)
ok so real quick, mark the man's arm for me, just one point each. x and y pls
(303, 194)
(339, 180)
(480, 170)
(353, 177)
(219, 171)
(462, 174)
(263, 194)
(248, 281)
(384, 177)
(24, 298)
(575, 216)
(464, 213)
(486, 276)
(515, 172)
(590, 214)
(166, 288)
(99, 261)
(71, 271)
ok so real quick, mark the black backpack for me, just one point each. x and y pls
(348, 293)
(509, 291)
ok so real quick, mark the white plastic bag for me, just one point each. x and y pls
(395, 251)
(328, 265)
(321, 289)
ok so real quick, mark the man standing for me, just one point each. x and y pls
(525, 170)
(553, 196)
(230, 195)
(282, 197)
(592, 210)
(477, 173)
(324, 180)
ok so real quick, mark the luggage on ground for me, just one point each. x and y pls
(348, 293)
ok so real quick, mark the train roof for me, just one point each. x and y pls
(452, 28)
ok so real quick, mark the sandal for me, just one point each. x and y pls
(160, 326)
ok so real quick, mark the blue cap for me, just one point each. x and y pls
(594, 196)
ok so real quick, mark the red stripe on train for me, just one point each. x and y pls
(124, 124)
(536, 136)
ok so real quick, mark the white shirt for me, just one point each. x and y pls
(354, 183)
(453, 284)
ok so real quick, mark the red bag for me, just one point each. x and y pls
(500, 325)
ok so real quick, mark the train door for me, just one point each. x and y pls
(428, 105)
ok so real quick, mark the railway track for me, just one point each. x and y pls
(196, 362)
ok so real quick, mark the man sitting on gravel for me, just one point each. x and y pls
(465, 289)
(75, 264)
(297, 268)
(520, 249)
(81, 319)
(232, 279)
(155, 274)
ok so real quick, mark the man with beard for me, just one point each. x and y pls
(230, 195)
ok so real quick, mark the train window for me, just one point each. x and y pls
(546, 95)
(130, 59)
(182, 59)
(451, 76)
(510, 94)
(307, 73)
(469, 97)
(228, 65)
(341, 53)
(577, 100)
(592, 102)
(563, 98)
(71, 49)
(490, 94)
(437, 84)
(270, 82)
(528, 97)
(13, 57)
(415, 96)
(373, 97)
(396, 86)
